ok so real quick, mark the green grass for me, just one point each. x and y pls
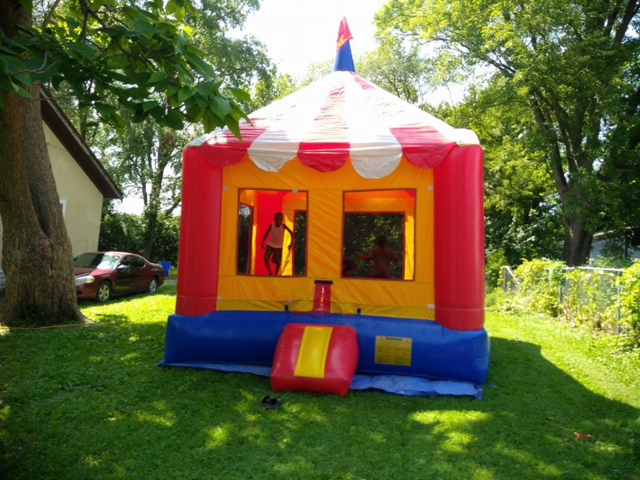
(89, 403)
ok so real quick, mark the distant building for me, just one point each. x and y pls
(82, 181)
(606, 244)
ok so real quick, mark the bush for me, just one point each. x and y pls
(126, 232)
(123, 232)
(588, 298)
(494, 262)
(540, 282)
(630, 302)
(165, 246)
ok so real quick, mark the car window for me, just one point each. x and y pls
(138, 262)
(96, 260)
(128, 261)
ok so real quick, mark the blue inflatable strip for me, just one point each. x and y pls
(260, 370)
(236, 337)
(398, 384)
(416, 386)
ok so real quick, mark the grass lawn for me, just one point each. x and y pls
(89, 403)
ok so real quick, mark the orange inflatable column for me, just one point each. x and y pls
(199, 250)
(459, 239)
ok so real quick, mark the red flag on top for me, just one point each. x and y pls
(344, 34)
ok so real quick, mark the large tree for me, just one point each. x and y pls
(522, 217)
(574, 64)
(100, 49)
(401, 72)
(148, 164)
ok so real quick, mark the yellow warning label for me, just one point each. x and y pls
(393, 351)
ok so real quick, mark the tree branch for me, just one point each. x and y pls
(630, 12)
(49, 16)
(552, 142)
(611, 19)
(173, 206)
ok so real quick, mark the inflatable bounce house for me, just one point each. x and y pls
(342, 162)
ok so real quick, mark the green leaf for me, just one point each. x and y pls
(13, 64)
(105, 110)
(157, 113)
(20, 91)
(157, 77)
(148, 105)
(173, 120)
(194, 112)
(184, 93)
(24, 77)
(221, 106)
(82, 48)
(96, 5)
(203, 67)
(210, 121)
(233, 126)
(240, 94)
(144, 27)
(130, 12)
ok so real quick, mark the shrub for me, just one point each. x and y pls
(126, 232)
(540, 282)
(589, 298)
(494, 262)
(630, 302)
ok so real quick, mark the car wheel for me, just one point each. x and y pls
(103, 292)
(153, 285)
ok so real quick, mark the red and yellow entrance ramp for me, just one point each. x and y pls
(315, 358)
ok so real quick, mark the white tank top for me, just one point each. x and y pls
(277, 236)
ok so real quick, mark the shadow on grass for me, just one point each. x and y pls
(105, 411)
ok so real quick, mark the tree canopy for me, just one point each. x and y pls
(574, 67)
(105, 49)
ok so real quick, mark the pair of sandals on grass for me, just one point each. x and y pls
(270, 402)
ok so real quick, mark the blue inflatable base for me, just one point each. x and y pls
(248, 338)
(398, 384)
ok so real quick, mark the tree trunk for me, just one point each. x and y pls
(577, 242)
(166, 146)
(150, 237)
(37, 257)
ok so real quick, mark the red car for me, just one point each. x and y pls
(100, 275)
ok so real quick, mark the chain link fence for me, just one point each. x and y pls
(581, 295)
(593, 295)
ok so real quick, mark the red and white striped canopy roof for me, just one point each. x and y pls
(338, 117)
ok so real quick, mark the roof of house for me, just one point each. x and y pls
(62, 127)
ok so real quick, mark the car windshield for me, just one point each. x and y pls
(96, 260)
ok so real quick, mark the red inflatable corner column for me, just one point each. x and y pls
(199, 250)
(459, 239)
(315, 358)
